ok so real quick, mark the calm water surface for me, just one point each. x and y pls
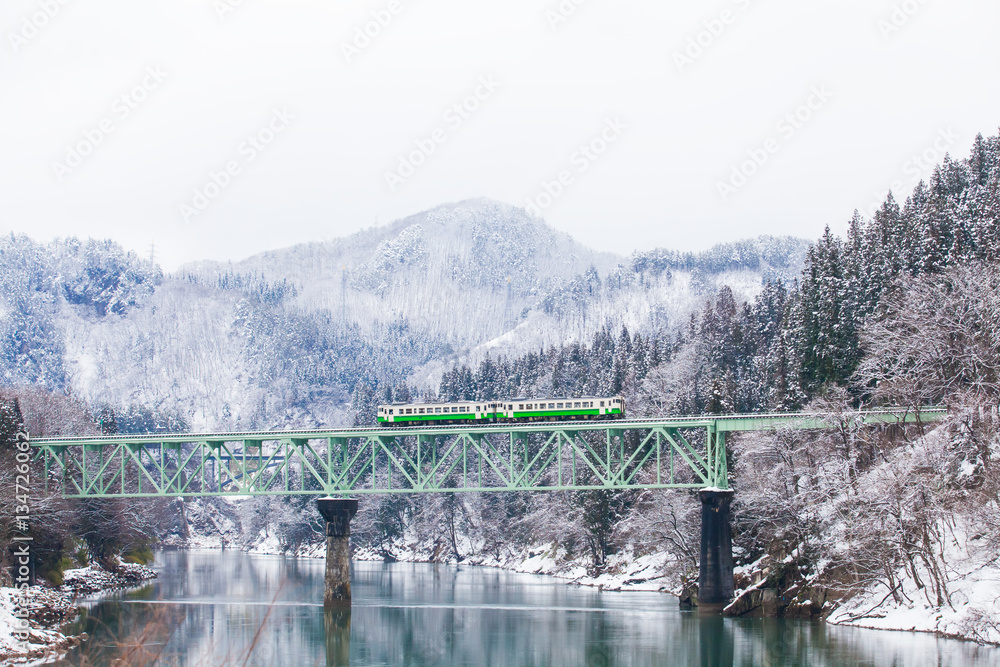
(231, 608)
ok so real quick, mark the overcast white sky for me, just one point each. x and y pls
(677, 128)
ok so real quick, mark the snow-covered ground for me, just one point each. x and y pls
(971, 612)
(24, 641)
(35, 639)
(964, 552)
(919, 524)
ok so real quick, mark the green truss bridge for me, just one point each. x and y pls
(657, 453)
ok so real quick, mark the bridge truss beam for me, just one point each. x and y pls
(639, 454)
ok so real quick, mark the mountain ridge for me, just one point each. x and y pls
(287, 336)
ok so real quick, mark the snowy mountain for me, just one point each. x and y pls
(287, 336)
(462, 271)
(486, 278)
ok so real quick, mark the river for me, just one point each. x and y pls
(213, 608)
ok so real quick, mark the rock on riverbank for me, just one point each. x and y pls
(94, 579)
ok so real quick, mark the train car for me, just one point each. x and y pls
(428, 414)
(509, 411)
(562, 409)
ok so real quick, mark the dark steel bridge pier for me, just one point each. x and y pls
(338, 513)
(715, 571)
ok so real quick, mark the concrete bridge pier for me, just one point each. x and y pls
(338, 513)
(715, 575)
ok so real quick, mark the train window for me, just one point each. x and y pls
(559, 405)
(437, 411)
(576, 405)
(390, 411)
(409, 411)
(602, 404)
(552, 406)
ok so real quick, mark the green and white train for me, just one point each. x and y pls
(493, 412)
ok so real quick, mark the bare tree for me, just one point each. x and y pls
(939, 339)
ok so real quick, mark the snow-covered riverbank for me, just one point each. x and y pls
(34, 638)
(624, 571)
(37, 637)
(971, 611)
